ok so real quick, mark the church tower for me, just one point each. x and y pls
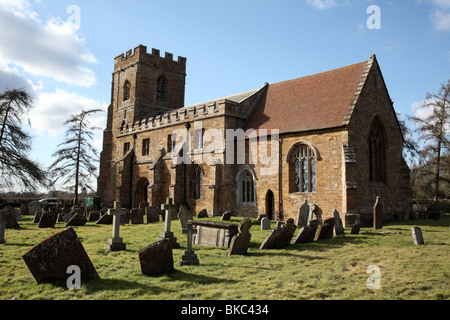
(143, 84)
(146, 84)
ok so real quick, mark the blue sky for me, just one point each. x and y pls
(63, 51)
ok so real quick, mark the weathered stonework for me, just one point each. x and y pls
(131, 174)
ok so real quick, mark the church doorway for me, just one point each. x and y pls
(141, 194)
(270, 204)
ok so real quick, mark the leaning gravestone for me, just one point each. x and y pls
(306, 234)
(303, 215)
(48, 220)
(279, 237)
(48, 261)
(265, 223)
(202, 214)
(105, 219)
(156, 258)
(416, 233)
(326, 229)
(93, 216)
(89, 209)
(77, 220)
(240, 242)
(338, 226)
(227, 215)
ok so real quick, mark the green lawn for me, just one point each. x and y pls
(329, 269)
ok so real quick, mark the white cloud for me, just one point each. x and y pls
(52, 49)
(52, 109)
(327, 4)
(441, 20)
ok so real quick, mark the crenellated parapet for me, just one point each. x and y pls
(140, 54)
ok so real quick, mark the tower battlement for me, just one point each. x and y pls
(140, 54)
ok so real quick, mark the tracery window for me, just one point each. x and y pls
(197, 182)
(161, 89)
(304, 167)
(245, 187)
(376, 152)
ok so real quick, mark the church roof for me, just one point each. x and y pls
(319, 101)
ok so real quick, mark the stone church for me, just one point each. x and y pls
(332, 139)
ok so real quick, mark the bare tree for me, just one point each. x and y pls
(434, 132)
(16, 168)
(76, 157)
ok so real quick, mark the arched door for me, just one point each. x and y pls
(270, 204)
(141, 194)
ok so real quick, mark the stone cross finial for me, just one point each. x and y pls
(115, 243)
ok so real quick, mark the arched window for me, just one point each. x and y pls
(245, 187)
(126, 90)
(161, 89)
(376, 152)
(197, 182)
(303, 169)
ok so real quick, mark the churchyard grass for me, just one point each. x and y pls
(328, 269)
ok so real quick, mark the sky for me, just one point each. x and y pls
(62, 52)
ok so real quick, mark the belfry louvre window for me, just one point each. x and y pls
(376, 152)
(304, 165)
(126, 90)
(161, 90)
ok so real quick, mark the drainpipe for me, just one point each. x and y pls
(187, 140)
(131, 169)
(280, 180)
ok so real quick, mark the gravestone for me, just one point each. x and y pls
(93, 216)
(137, 216)
(156, 258)
(338, 226)
(125, 217)
(326, 229)
(265, 223)
(2, 229)
(260, 216)
(68, 216)
(351, 219)
(34, 206)
(307, 234)
(378, 214)
(48, 261)
(115, 243)
(355, 228)
(48, 220)
(105, 219)
(303, 215)
(11, 216)
(279, 238)
(153, 214)
(227, 215)
(189, 258)
(170, 210)
(77, 220)
(37, 216)
(24, 209)
(416, 233)
(202, 214)
(88, 210)
(143, 205)
(217, 234)
(240, 242)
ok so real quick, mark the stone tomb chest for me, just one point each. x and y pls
(216, 234)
